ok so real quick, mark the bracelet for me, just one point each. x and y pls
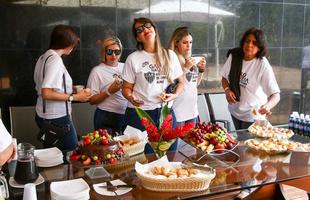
(226, 88)
(201, 70)
(107, 91)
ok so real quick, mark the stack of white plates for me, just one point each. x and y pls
(76, 189)
(48, 157)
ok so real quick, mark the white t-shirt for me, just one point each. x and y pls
(100, 78)
(5, 137)
(141, 70)
(185, 105)
(257, 83)
(53, 78)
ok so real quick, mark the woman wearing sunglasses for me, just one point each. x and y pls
(105, 81)
(147, 73)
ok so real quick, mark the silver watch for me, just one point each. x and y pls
(71, 98)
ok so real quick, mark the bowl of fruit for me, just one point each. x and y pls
(211, 138)
(96, 148)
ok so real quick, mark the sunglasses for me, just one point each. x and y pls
(116, 52)
(140, 29)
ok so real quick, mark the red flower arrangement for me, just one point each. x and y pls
(163, 136)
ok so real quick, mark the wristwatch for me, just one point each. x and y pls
(71, 98)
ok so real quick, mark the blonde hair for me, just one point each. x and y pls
(176, 37)
(161, 54)
(104, 43)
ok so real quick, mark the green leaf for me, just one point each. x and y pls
(141, 113)
(163, 114)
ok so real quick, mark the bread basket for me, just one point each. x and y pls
(185, 184)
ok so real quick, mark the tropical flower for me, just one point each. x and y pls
(164, 132)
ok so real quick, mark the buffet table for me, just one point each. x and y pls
(251, 170)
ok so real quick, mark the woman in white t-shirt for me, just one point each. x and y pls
(248, 79)
(105, 81)
(54, 84)
(147, 73)
(181, 43)
(7, 149)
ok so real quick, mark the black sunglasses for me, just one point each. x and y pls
(140, 29)
(116, 51)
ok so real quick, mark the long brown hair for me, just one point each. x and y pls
(161, 54)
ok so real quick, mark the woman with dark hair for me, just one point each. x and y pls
(181, 43)
(54, 84)
(248, 79)
(105, 82)
(147, 73)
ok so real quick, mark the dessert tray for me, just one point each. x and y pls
(270, 132)
(162, 175)
(274, 146)
(133, 141)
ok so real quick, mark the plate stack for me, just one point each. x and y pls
(76, 189)
(48, 157)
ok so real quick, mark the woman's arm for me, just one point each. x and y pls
(7, 154)
(98, 98)
(230, 95)
(51, 94)
(127, 92)
(273, 100)
(178, 90)
(201, 67)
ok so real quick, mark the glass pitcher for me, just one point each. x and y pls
(4, 191)
(26, 170)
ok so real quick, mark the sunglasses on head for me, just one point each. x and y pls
(140, 29)
(110, 52)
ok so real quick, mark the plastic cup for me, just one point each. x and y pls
(30, 192)
(78, 88)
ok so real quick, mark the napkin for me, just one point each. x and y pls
(104, 191)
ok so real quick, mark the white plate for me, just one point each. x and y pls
(104, 191)
(49, 164)
(47, 154)
(14, 184)
(76, 187)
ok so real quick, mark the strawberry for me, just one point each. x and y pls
(87, 141)
(112, 160)
(75, 157)
(230, 139)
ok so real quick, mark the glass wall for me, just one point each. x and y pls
(216, 25)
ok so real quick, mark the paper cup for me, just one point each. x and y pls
(30, 192)
(78, 88)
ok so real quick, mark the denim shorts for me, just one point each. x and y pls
(113, 122)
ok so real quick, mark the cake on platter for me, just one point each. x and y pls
(97, 148)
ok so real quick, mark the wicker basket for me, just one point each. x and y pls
(135, 148)
(189, 184)
(198, 182)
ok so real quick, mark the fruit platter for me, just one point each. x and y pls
(211, 138)
(97, 148)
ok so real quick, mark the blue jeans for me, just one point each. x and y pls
(132, 119)
(174, 146)
(113, 122)
(71, 140)
(240, 124)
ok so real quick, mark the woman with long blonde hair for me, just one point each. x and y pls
(181, 43)
(147, 73)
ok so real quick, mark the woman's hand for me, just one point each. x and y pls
(202, 64)
(82, 96)
(264, 110)
(189, 63)
(169, 97)
(134, 101)
(114, 87)
(230, 96)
